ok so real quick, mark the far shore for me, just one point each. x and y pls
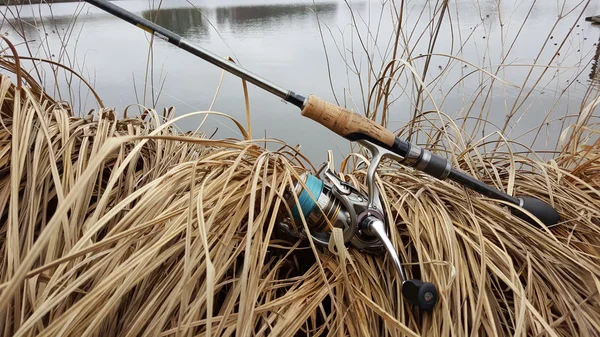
(31, 2)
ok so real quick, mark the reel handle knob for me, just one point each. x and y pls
(422, 294)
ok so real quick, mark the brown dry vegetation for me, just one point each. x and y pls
(126, 227)
(115, 226)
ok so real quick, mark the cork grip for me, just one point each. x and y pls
(344, 122)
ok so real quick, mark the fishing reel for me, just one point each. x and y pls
(329, 202)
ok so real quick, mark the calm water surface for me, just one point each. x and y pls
(281, 41)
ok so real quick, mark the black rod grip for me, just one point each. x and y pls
(441, 168)
(541, 210)
(481, 187)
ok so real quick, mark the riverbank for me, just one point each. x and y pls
(128, 225)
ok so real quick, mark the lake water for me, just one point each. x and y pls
(282, 41)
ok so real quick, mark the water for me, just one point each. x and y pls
(282, 41)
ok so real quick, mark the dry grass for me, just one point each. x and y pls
(128, 228)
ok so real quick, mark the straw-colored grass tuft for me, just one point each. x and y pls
(125, 227)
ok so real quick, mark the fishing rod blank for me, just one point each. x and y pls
(345, 123)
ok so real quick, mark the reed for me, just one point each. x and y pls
(129, 227)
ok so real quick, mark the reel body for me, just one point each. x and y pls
(338, 204)
(332, 203)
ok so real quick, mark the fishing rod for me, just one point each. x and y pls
(360, 216)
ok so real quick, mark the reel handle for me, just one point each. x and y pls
(422, 294)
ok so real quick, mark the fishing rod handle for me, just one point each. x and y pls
(356, 127)
(346, 123)
(540, 210)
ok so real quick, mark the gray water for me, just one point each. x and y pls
(281, 41)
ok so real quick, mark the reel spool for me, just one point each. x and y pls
(325, 205)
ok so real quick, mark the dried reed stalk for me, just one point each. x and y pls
(128, 228)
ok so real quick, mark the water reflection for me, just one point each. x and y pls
(241, 17)
(183, 21)
(190, 21)
(32, 26)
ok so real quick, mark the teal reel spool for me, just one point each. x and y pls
(323, 204)
(305, 199)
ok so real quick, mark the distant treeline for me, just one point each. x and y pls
(32, 2)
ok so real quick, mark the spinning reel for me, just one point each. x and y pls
(332, 201)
